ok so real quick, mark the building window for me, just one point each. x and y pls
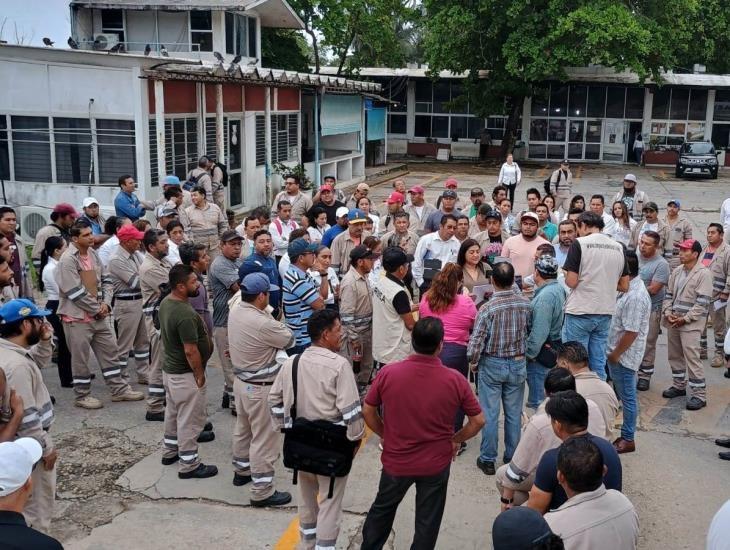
(683, 113)
(211, 149)
(284, 138)
(397, 124)
(112, 22)
(722, 106)
(241, 35)
(4, 149)
(116, 149)
(260, 140)
(201, 30)
(31, 149)
(72, 140)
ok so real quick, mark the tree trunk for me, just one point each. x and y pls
(510, 128)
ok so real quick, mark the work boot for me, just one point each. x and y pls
(642, 384)
(167, 460)
(718, 361)
(129, 395)
(279, 498)
(225, 402)
(703, 354)
(208, 427)
(206, 437)
(673, 392)
(724, 455)
(723, 442)
(695, 403)
(88, 402)
(241, 480)
(201, 472)
(155, 417)
(486, 467)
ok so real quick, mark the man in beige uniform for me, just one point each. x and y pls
(22, 327)
(716, 257)
(124, 274)
(200, 176)
(207, 221)
(63, 217)
(219, 190)
(347, 240)
(684, 314)
(401, 235)
(651, 222)
(300, 203)
(356, 308)
(85, 296)
(153, 272)
(680, 229)
(256, 338)
(326, 391)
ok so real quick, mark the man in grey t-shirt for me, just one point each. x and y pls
(654, 271)
(223, 280)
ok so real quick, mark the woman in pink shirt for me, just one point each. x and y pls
(446, 300)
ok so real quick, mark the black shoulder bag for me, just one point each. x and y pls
(316, 446)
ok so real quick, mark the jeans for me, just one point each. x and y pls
(430, 503)
(536, 374)
(454, 357)
(501, 380)
(592, 332)
(624, 380)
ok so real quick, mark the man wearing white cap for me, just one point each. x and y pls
(632, 198)
(91, 214)
(17, 459)
(22, 326)
(521, 248)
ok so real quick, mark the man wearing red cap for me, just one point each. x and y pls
(451, 185)
(418, 210)
(395, 204)
(63, 217)
(124, 274)
(328, 203)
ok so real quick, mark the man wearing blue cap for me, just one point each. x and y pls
(300, 293)
(22, 326)
(346, 241)
(255, 341)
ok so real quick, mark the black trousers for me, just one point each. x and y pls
(64, 355)
(511, 192)
(430, 503)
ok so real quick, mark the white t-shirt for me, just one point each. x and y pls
(49, 279)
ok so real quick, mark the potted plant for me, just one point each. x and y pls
(282, 169)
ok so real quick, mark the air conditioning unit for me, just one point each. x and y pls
(32, 218)
(105, 41)
(107, 211)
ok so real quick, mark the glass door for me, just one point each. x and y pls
(614, 140)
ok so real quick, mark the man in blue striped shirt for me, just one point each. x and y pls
(497, 350)
(301, 295)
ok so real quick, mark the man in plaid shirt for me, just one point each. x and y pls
(497, 350)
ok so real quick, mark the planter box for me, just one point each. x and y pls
(661, 157)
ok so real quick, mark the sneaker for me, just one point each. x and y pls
(642, 384)
(201, 472)
(155, 417)
(129, 395)
(486, 466)
(673, 392)
(241, 480)
(695, 403)
(88, 402)
(206, 437)
(718, 361)
(167, 460)
(279, 498)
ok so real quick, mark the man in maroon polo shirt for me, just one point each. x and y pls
(422, 398)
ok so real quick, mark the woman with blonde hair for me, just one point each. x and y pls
(446, 300)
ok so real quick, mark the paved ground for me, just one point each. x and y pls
(113, 492)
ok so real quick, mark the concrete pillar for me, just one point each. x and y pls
(410, 110)
(267, 142)
(526, 114)
(646, 118)
(709, 114)
(160, 127)
(219, 130)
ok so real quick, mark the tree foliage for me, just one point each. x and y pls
(521, 44)
(285, 49)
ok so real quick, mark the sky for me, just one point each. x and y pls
(34, 20)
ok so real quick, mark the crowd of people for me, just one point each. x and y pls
(329, 310)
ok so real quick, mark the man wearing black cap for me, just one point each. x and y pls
(256, 339)
(521, 528)
(652, 222)
(447, 206)
(493, 237)
(223, 281)
(356, 310)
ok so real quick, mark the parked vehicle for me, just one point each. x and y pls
(697, 157)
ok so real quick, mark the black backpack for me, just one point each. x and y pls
(224, 169)
(152, 306)
(191, 182)
(546, 183)
(316, 446)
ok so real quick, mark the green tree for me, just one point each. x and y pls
(510, 48)
(285, 49)
(711, 38)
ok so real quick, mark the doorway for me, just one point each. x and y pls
(614, 140)
(634, 130)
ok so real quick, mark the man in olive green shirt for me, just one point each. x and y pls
(187, 347)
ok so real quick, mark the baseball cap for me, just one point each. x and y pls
(88, 201)
(230, 235)
(417, 189)
(298, 247)
(362, 186)
(547, 265)
(565, 161)
(256, 283)
(476, 191)
(451, 183)
(19, 309)
(519, 528)
(165, 211)
(129, 233)
(16, 463)
(171, 180)
(359, 252)
(630, 177)
(342, 211)
(396, 197)
(675, 202)
(65, 209)
(493, 214)
(650, 206)
(691, 244)
(325, 188)
(449, 194)
(530, 215)
(393, 257)
(356, 216)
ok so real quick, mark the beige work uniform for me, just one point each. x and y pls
(679, 231)
(341, 248)
(50, 230)
(326, 391)
(666, 245)
(417, 222)
(407, 241)
(24, 287)
(300, 205)
(152, 273)
(207, 224)
(22, 369)
(203, 179)
(590, 386)
(219, 192)
(356, 314)
(637, 209)
(561, 186)
(255, 338)
(131, 333)
(687, 296)
(184, 418)
(720, 269)
(78, 304)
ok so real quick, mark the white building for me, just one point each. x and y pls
(73, 120)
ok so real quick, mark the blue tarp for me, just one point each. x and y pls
(376, 124)
(341, 114)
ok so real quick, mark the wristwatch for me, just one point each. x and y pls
(505, 500)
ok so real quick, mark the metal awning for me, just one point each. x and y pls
(172, 5)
